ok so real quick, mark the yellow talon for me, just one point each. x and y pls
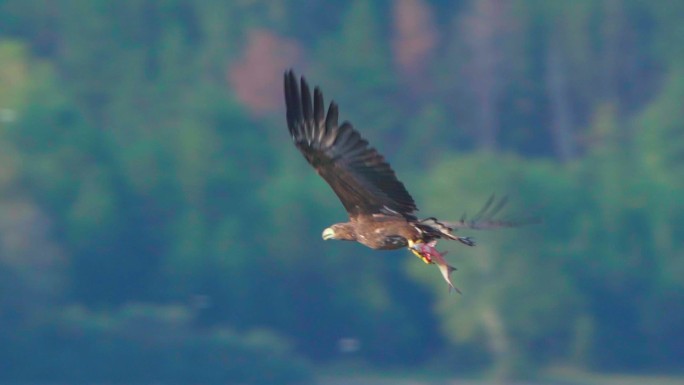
(421, 256)
(417, 253)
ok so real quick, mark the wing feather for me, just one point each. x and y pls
(357, 173)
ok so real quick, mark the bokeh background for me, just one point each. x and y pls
(157, 224)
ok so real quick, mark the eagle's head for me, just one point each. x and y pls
(328, 233)
(340, 231)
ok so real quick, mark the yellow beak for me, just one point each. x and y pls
(328, 234)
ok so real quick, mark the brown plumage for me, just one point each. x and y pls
(381, 211)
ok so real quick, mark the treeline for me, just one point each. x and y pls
(145, 165)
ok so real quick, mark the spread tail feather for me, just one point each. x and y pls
(484, 219)
(439, 229)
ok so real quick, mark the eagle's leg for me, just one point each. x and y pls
(417, 249)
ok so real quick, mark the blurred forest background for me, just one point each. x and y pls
(157, 224)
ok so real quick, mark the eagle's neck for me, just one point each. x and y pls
(345, 231)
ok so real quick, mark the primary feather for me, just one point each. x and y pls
(362, 179)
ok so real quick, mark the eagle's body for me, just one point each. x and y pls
(381, 211)
(380, 232)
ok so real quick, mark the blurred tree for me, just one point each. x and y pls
(414, 43)
(358, 54)
(660, 141)
(562, 125)
(505, 270)
(32, 262)
(484, 29)
(143, 157)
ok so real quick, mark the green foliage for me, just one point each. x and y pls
(132, 172)
(516, 298)
(358, 53)
(659, 141)
(146, 343)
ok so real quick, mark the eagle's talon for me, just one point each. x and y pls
(420, 250)
(424, 257)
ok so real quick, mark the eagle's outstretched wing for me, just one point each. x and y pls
(359, 175)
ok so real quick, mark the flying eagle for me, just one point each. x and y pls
(381, 211)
